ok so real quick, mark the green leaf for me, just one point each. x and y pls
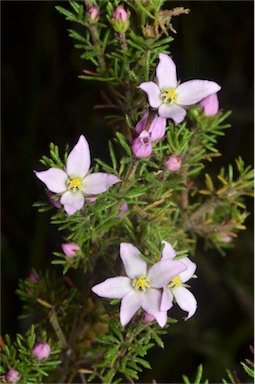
(248, 370)
(123, 142)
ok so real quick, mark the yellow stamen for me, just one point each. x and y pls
(175, 282)
(168, 95)
(74, 183)
(141, 283)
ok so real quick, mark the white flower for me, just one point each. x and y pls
(76, 181)
(140, 288)
(176, 288)
(170, 97)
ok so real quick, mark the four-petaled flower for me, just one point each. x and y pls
(76, 181)
(176, 288)
(140, 288)
(170, 97)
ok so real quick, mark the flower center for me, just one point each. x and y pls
(145, 140)
(175, 282)
(168, 95)
(74, 183)
(141, 283)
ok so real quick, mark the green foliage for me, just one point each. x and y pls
(18, 355)
(124, 350)
(198, 378)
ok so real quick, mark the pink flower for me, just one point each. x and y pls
(142, 145)
(174, 163)
(76, 181)
(171, 98)
(12, 376)
(70, 249)
(41, 350)
(176, 289)
(140, 288)
(210, 104)
(120, 14)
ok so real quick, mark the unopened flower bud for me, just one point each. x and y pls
(12, 376)
(224, 237)
(120, 13)
(210, 104)
(174, 163)
(70, 249)
(142, 145)
(32, 277)
(94, 13)
(147, 317)
(53, 202)
(41, 350)
(123, 209)
(120, 20)
(156, 129)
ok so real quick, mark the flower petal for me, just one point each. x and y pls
(192, 91)
(141, 123)
(168, 251)
(163, 271)
(166, 72)
(210, 104)
(133, 263)
(166, 300)
(157, 128)
(172, 111)
(72, 202)
(191, 267)
(153, 93)
(55, 179)
(98, 182)
(142, 145)
(186, 300)
(151, 304)
(113, 288)
(129, 305)
(78, 161)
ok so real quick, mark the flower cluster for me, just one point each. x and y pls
(151, 288)
(170, 99)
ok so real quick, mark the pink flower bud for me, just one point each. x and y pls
(94, 13)
(120, 14)
(147, 317)
(210, 104)
(142, 145)
(53, 202)
(41, 350)
(70, 249)
(174, 163)
(123, 209)
(157, 127)
(32, 277)
(12, 376)
(225, 238)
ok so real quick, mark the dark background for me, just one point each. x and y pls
(43, 101)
